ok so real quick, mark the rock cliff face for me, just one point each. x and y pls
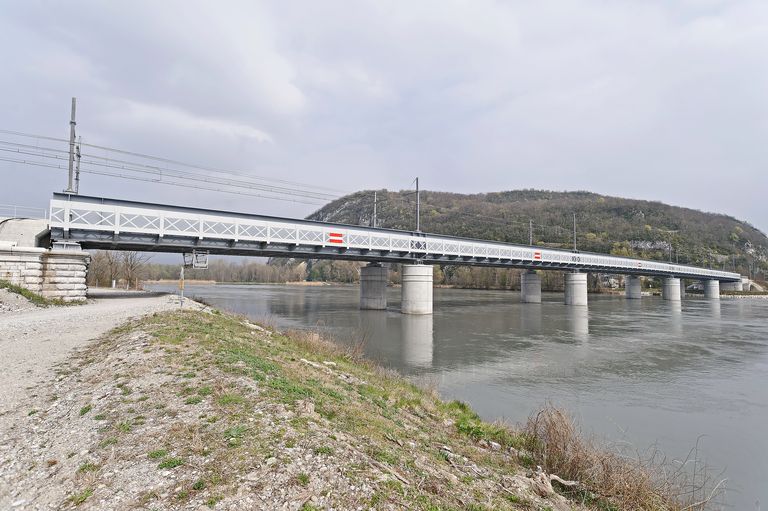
(604, 224)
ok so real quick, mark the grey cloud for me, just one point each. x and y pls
(655, 100)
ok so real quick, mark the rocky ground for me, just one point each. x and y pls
(198, 410)
(33, 339)
(11, 302)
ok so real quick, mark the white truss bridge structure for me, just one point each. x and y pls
(102, 223)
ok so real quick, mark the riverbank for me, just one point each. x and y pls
(186, 409)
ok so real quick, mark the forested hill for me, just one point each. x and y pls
(604, 224)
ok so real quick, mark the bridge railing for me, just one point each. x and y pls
(116, 218)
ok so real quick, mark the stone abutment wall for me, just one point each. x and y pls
(55, 274)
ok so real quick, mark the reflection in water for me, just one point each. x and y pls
(578, 321)
(530, 318)
(714, 309)
(675, 309)
(642, 371)
(371, 323)
(417, 339)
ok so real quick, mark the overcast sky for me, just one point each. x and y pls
(662, 100)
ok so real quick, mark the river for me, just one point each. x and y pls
(639, 373)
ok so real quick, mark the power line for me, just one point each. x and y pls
(35, 163)
(166, 172)
(177, 162)
(162, 171)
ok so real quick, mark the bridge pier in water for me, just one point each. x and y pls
(712, 289)
(416, 297)
(530, 287)
(576, 289)
(671, 289)
(373, 287)
(633, 287)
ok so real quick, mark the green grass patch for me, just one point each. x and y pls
(79, 498)
(234, 435)
(258, 366)
(33, 297)
(88, 467)
(230, 399)
(171, 463)
(107, 442)
(288, 390)
(470, 424)
(302, 479)
(211, 502)
(157, 454)
(194, 400)
(85, 409)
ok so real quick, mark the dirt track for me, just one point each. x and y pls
(33, 341)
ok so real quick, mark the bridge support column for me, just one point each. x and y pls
(712, 289)
(373, 287)
(632, 287)
(530, 287)
(671, 289)
(416, 289)
(576, 289)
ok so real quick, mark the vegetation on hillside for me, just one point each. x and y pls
(604, 224)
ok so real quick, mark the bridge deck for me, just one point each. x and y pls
(125, 225)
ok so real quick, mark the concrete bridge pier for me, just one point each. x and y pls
(416, 289)
(712, 289)
(576, 289)
(373, 287)
(671, 289)
(633, 287)
(530, 287)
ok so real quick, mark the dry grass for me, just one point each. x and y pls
(611, 477)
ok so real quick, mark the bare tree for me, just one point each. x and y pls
(133, 266)
(105, 267)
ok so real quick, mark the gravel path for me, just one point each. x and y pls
(33, 341)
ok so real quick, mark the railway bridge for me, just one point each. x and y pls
(83, 222)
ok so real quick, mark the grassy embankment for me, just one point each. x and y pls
(232, 411)
(33, 297)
